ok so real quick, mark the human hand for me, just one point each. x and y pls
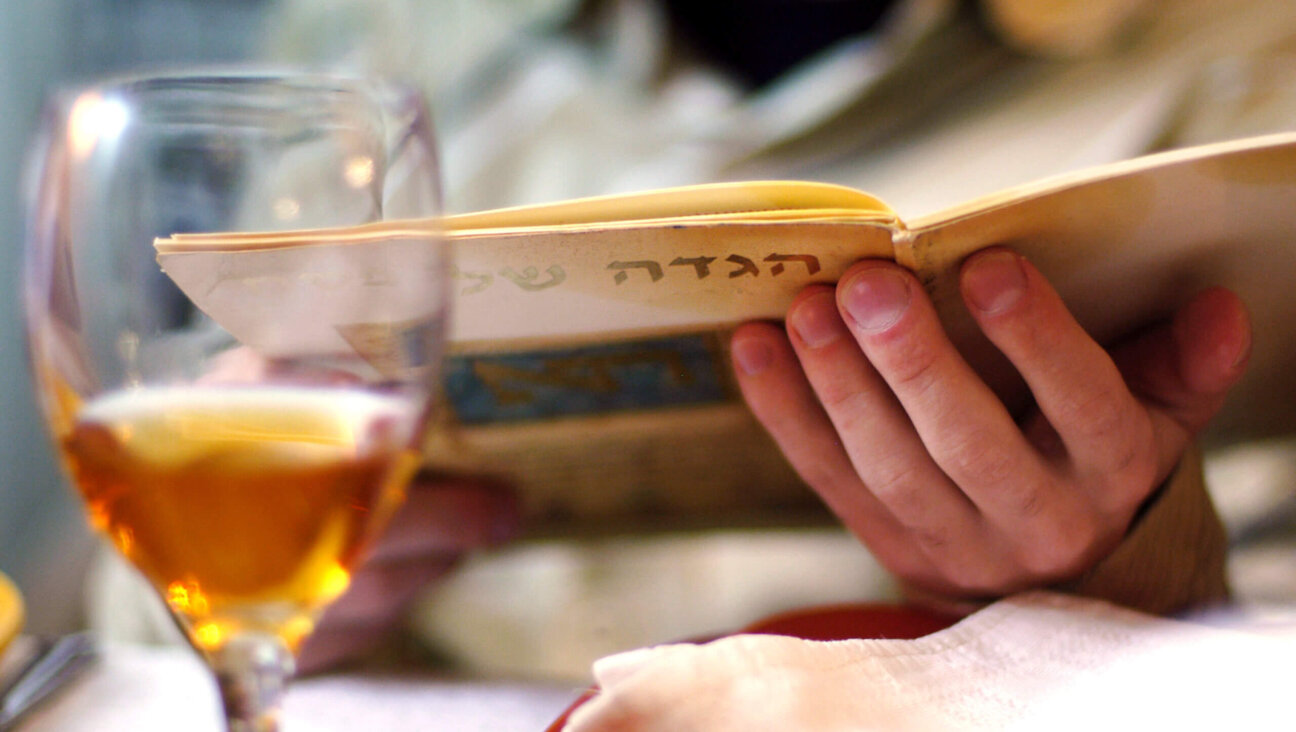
(879, 413)
(442, 519)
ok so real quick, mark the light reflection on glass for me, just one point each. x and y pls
(93, 120)
(359, 171)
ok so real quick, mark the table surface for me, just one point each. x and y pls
(149, 688)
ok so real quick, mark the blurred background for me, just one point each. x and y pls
(925, 103)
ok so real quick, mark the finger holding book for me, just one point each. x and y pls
(989, 506)
(779, 394)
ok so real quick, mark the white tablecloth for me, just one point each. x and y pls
(140, 689)
(1037, 661)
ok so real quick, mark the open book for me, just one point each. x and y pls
(583, 314)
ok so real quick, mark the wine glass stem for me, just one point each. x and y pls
(252, 671)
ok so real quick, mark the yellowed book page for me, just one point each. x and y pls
(744, 201)
(709, 203)
(515, 289)
(617, 267)
(1127, 244)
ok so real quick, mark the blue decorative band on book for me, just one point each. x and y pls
(600, 379)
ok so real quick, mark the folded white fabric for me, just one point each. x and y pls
(1035, 661)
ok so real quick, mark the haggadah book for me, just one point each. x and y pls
(589, 336)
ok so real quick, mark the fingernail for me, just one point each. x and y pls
(994, 281)
(816, 321)
(876, 298)
(752, 355)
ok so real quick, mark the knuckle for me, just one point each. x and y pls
(977, 459)
(1130, 473)
(896, 486)
(1062, 549)
(1108, 417)
(909, 364)
(1097, 414)
(1029, 502)
(847, 406)
(969, 568)
(1124, 458)
(983, 462)
(1139, 460)
(935, 541)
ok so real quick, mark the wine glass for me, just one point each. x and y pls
(242, 473)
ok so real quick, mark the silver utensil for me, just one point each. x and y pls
(53, 664)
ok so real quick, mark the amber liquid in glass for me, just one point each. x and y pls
(247, 509)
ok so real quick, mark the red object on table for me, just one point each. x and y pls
(838, 622)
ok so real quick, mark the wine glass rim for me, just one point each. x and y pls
(198, 78)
